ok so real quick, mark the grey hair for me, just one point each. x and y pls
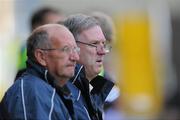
(106, 24)
(78, 23)
(38, 39)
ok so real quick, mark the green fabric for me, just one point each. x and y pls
(102, 72)
(22, 58)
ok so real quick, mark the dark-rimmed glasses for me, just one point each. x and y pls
(98, 47)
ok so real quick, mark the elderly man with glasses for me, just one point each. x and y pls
(41, 92)
(93, 88)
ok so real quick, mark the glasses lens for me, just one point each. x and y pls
(108, 48)
(77, 50)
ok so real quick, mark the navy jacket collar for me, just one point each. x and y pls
(41, 72)
(82, 82)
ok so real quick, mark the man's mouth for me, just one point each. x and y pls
(99, 61)
(71, 65)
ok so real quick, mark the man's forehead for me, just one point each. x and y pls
(61, 32)
(53, 18)
(93, 34)
(64, 39)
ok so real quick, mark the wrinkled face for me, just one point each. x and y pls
(62, 56)
(90, 56)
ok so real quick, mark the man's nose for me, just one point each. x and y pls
(101, 50)
(74, 56)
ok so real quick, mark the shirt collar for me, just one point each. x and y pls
(90, 87)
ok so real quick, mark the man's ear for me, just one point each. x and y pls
(40, 57)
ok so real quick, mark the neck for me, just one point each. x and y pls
(90, 77)
(61, 81)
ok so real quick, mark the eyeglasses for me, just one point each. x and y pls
(98, 47)
(66, 49)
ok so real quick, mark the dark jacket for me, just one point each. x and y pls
(35, 96)
(93, 100)
(80, 110)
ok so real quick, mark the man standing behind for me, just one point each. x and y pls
(41, 92)
(42, 16)
(89, 37)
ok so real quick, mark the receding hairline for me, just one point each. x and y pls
(50, 29)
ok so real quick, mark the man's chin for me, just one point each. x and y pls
(98, 71)
(99, 64)
(70, 73)
(69, 76)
